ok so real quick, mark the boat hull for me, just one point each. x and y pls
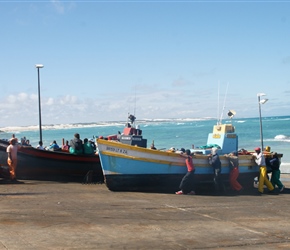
(53, 165)
(132, 168)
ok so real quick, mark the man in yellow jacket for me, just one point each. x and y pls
(260, 160)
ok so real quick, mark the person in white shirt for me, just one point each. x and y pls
(40, 146)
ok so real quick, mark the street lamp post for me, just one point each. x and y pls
(261, 127)
(39, 66)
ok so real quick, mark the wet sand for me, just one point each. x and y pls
(53, 215)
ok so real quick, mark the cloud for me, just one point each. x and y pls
(68, 100)
(179, 82)
(22, 97)
(62, 7)
(34, 97)
(58, 6)
(50, 101)
(11, 99)
(21, 109)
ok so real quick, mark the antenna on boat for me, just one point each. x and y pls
(131, 118)
(218, 106)
(135, 103)
(220, 120)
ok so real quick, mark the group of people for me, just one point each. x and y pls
(23, 141)
(274, 162)
(187, 184)
(76, 146)
(52, 147)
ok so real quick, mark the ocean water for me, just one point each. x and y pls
(177, 133)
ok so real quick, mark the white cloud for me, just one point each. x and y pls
(21, 109)
(11, 99)
(62, 7)
(33, 97)
(50, 101)
(22, 97)
(179, 82)
(58, 6)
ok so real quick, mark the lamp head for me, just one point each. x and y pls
(39, 66)
(263, 101)
(261, 94)
(231, 113)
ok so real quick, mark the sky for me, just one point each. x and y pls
(155, 59)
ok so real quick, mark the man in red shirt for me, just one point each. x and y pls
(187, 183)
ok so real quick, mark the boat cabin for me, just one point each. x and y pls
(133, 136)
(223, 137)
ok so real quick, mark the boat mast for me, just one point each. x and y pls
(218, 106)
(220, 120)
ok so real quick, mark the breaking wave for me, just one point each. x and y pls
(282, 138)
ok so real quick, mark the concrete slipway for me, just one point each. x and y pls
(52, 215)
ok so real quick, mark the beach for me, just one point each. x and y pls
(55, 215)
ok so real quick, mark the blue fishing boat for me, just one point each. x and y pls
(128, 164)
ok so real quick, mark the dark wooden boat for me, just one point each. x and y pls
(53, 165)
